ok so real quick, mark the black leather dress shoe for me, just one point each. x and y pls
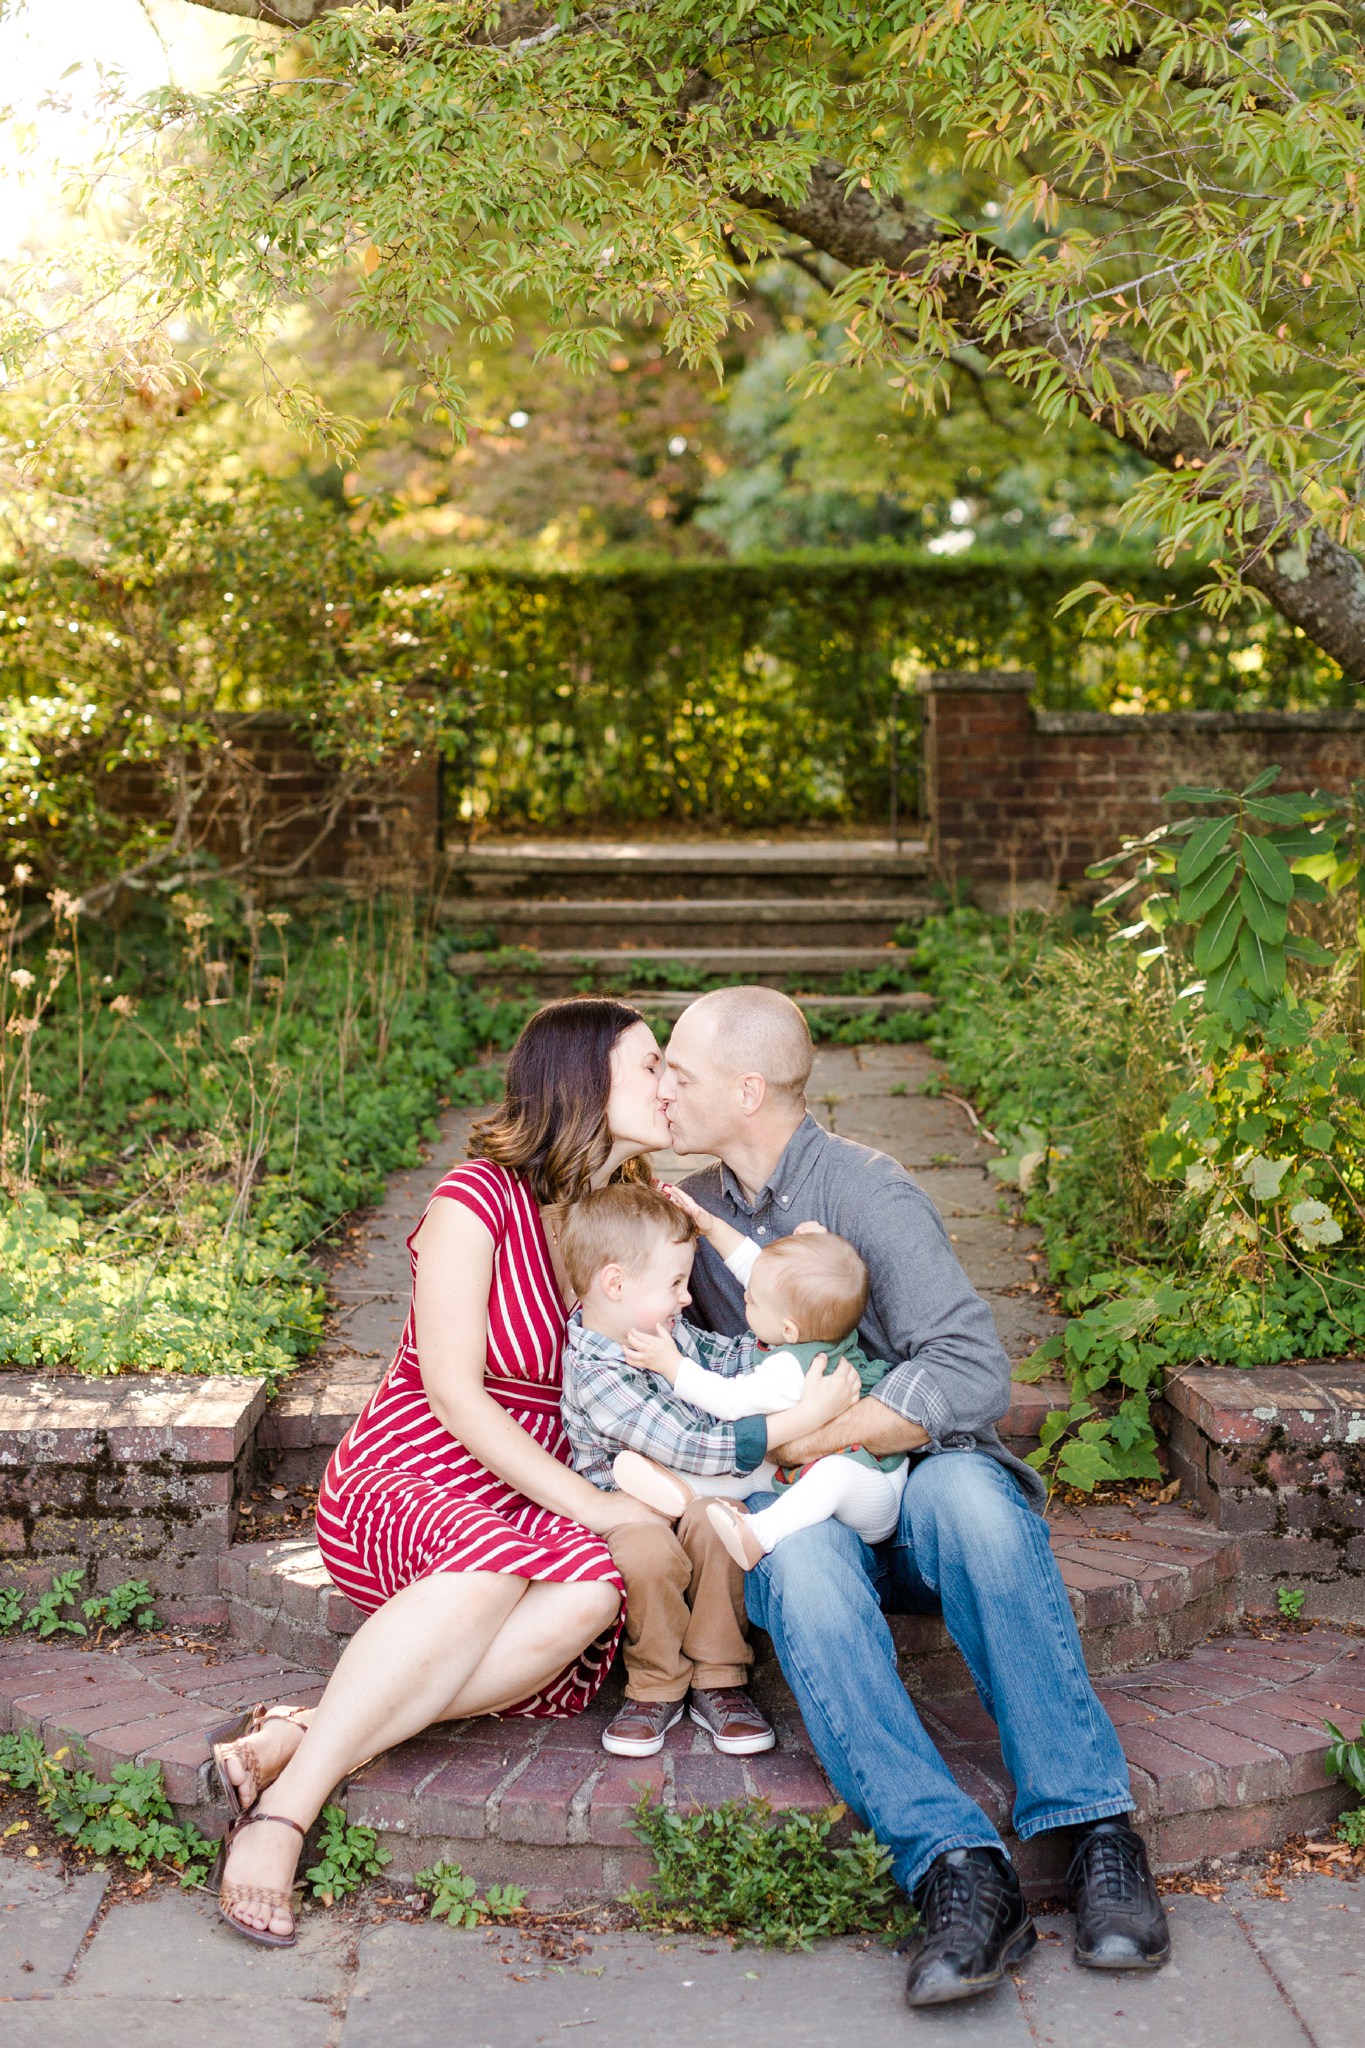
(973, 1925)
(1120, 1920)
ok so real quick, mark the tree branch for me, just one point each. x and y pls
(1309, 578)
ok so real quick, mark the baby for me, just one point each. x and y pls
(804, 1296)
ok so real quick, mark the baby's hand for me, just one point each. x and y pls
(653, 1352)
(810, 1230)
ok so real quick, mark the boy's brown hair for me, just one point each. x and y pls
(824, 1285)
(619, 1225)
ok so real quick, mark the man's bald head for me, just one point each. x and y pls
(755, 1031)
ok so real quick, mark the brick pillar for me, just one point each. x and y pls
(979, 741)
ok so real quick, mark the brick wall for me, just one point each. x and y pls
(1015, 794)
(267, 800)
(125, 1479)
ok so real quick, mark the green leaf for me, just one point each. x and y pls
(1197, 902)
(1262, 965)
(1199, 796)
(1269, 920)
(1217, 936)
(1084, 1465)
(1205, 843)
(1268, 868)
(1223, 985)
(1262, 781)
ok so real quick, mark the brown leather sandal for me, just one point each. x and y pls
(239, 1797)
(261, 1895)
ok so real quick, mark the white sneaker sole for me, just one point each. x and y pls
(735, 1745)
(622, 1745)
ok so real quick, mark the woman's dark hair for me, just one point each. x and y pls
(551, 1125)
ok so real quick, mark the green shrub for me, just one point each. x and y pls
(741, 1870)
(193, 1102)
(348, 1856)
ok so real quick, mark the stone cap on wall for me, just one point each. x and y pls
(1328, 719)
(62, 1419)
(975, 680)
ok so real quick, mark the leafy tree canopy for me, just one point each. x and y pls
(1145, 215)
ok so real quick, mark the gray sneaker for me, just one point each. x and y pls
(640, 1727)
(734, 1723)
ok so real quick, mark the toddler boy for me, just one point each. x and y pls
(628, 1254)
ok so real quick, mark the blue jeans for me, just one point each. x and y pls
(970, 1547)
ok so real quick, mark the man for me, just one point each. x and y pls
(972, 1541)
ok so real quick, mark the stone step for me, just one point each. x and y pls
(1143, 1583)
(555, 971)
(1225, 1746)
(672, 1003)
(818, 920)
(664, 869)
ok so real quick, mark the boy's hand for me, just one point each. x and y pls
(810, 1230)
(653, 1352)
(703, 1218)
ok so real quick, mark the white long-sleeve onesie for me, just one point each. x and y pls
(835, 1487)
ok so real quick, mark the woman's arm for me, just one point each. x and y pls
(454, 1278)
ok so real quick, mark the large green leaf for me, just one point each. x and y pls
(1262, 964)
(1197, 901)
(1217, 936)
(1268, 919)
(1223, 984)
(1268, 868)
(1262, 781)
(1198, 796)
(1205, 843)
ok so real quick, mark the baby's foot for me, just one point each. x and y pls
(654, 1484)
(736, 1531)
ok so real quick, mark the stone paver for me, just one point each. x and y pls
(1276, 1973)
(44, 1918)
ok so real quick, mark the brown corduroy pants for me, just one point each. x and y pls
(685, 1620)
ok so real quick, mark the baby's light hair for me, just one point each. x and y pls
(619, 1225)
(822, 1285)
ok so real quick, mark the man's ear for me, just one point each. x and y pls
(753, 1093)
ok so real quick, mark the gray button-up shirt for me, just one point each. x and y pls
(952, 1376)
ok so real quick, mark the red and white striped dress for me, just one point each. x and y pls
(403, 1499)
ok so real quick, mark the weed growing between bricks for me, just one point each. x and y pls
(129, 1817)
(57, 1612)
(741, 1870)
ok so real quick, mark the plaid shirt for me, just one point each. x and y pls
(608, 1407)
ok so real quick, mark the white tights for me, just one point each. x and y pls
(843, 1489)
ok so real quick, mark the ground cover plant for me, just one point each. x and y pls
(1181, 1103)
(129, 1605)
(1346, 1760)
(189, 1104)
(741, 1870)
(129, 1816)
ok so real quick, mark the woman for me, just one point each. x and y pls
(450, 1511)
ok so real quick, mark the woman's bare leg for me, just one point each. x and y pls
(540, 1638)
(425, 1649)
(400, 1668)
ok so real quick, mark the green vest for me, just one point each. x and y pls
(871, 1372)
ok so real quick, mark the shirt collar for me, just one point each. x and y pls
(787, 1177)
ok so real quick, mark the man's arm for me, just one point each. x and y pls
(869, 1423)
(953, 1378)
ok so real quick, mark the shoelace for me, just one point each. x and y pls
(1112, 1864)
(734, 1703)
(952, 1892)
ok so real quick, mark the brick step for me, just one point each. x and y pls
(900, 1002)
(817, 920)
(556, 971)
(304, 1423)
(1142, 1584)
(666, 869)
(1225, 1745)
